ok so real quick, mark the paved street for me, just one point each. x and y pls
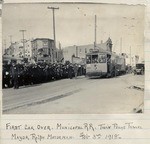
(77, 96)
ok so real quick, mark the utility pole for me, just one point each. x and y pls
(5, 46)
(10, 39)
(59, 53)
(53, 10)
(76, 51)
(5, 43)
(130, 56)
(120, 45)
(95, 31)
(23, 31)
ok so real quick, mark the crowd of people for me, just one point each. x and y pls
(15, 75)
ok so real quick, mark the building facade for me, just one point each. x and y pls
(43, 50)
(9, 51)
(132, 60)
(17, 50)
(28, 49)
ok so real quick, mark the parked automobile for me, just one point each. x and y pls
(139, 69)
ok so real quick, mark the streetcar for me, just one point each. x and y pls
(102, 64)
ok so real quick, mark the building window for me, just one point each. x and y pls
(45, 43)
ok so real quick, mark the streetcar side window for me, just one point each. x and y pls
(102, 58)
(88, 59)
(94, 58)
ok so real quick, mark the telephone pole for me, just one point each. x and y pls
(53, 10)
(23, 31)
(130, 56)
(10, 39)
(120, 45)
(95, 31)
(4, 49)
(76, 51)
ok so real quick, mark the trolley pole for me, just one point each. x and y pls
(53, 11)
(23, 31)
(95, 31)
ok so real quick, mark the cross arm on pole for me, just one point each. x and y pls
(53, 7)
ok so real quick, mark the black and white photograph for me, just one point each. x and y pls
(72, 58)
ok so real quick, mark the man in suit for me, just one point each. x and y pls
(70, 71)
(15, 74)
(76, 70)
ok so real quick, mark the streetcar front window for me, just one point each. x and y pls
(102, 58)
(88, 59)
(94, 58)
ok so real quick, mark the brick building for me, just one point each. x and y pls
(43, 50)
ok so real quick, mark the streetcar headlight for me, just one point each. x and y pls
(7, 73)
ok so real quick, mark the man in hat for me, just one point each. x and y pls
(76, 70)
(70, 71)
(15, 74)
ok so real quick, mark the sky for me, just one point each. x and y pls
(74, 24)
